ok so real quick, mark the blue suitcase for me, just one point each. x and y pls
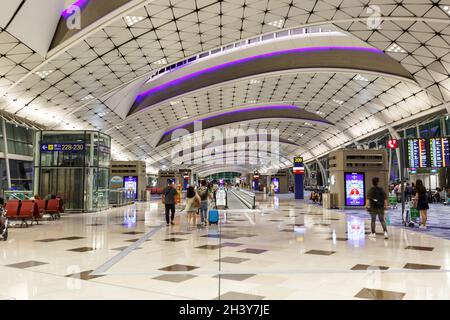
(213, 216)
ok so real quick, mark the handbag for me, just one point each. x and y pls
(197, 202)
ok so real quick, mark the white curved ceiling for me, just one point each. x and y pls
(114, 55)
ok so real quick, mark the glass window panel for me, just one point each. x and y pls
(11, 147)
(411, 133)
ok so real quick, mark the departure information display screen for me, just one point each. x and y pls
(417, 155)
(439, 152)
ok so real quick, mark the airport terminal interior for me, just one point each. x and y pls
(225, 149)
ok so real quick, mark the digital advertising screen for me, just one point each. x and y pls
(439, 152)
(416, 153)
(354, 189)
(276, 183)
(130, 183)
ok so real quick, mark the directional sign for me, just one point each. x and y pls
(62, 147)
(298, 166)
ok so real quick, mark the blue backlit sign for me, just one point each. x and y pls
(62, 147)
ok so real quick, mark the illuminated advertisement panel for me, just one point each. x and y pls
(130, 183)
(354, 189)
(276, 183)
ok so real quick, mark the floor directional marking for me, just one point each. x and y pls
(108, 264)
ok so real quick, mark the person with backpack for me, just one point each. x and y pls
(409, 192)
(192, 205)
(421, 203)
(204, 194)
(376, 205)
(168, 199)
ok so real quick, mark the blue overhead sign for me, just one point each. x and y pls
(62, 147)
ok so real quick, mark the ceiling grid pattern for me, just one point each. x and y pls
(117, 54)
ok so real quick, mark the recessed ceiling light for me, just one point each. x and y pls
(300, 134)
(254, 81)
(446, 9)
(320, 113)
(184, 118)
(161, 61)
(307, 124)
(44, 73)
(172, 103)
(338, 101)
(131, 20)
(361, 78)
(276, 23)
(251, 101)
(290, 139)
(88, 97)
(395, 48)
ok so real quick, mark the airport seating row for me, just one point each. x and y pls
(33, 210)
(155, 190)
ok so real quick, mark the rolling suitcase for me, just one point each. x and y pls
(213, 216)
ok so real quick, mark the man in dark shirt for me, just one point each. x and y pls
(376, 205)
(168, 198)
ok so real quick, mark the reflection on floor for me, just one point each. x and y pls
(438, 219)
(283, 250)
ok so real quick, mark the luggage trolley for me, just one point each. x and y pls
(412, 215)
(393, 201)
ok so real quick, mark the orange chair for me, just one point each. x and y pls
(41, 206)
(53, 208)
(12, 209)
(29, 211)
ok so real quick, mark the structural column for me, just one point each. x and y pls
(5, 142)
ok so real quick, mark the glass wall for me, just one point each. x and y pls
(74, 165)
(226, 176)
(20, 146)
(436, 127)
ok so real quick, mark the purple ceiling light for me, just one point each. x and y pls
(235, 62)
(229, 112)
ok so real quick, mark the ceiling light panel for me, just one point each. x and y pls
(395, 48)
(43, 74)
(132, 20)
(276, 23)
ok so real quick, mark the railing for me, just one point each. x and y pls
(246, 197)
(18, 195)
(120, 197)
(302, 31)
(101, 199)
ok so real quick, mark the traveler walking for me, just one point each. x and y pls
(192, 205)
(204, 194)
(421, 202)
(168, 198)
(376, 205)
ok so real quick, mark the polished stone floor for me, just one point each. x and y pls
(283, 250)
